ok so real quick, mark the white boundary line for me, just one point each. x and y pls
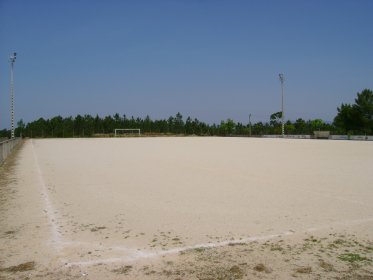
(147, 254)
(136, 255)
(49, 209)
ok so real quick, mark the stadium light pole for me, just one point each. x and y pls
(12, 60)
(282, 79)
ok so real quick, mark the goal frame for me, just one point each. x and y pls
(127, 129)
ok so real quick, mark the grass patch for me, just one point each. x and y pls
(304, 269)
(369, 248)
(262, 268)
(351, 258)
(237, 244)
(21, 267)
(312, 239)
(339, 241)
(221, 273)
(200, 249)
(236, 272)
(276, 247)
(97, 228)
(326, 266)
(123, 269)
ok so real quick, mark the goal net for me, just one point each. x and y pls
(127, 132)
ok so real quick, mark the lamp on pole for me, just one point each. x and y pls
(12, 60)
(282, 79)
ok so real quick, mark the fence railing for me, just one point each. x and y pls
(6, 148)
(331, 137)
(288, 136)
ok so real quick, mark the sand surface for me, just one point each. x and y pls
(187, 208)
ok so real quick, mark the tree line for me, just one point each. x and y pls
(89, 126)
(356, 118)
(351, 119)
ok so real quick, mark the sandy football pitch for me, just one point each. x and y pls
(187, 208)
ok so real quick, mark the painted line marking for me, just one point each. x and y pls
(136, 254)
(49, 209)
(144, 254)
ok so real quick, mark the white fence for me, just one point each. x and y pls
(358, 137)
(298, 136)
(351, 137)
(338, 137)
(6, 148)
(288, 136)
(331, 137)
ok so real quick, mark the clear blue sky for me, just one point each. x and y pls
(208, 59)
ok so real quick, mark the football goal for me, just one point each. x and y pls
(127, 132)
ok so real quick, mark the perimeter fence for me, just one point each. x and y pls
(330, 137)
(6, 148)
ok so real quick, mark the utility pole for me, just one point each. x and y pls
(12, 60)
(250, 125)
(282, 79)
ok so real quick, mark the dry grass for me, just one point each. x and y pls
(262, 268)
(21, 267)
(304, 269)
(326, 266)
(123, 269)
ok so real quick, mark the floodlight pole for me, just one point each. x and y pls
(12, 60)
(282, 79)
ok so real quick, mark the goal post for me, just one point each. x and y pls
(118, 132)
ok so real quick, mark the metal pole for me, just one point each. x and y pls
(12, 61)
(282, 108)
(12, 100)
(282, 78)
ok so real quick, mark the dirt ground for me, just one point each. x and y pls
(187, 208)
